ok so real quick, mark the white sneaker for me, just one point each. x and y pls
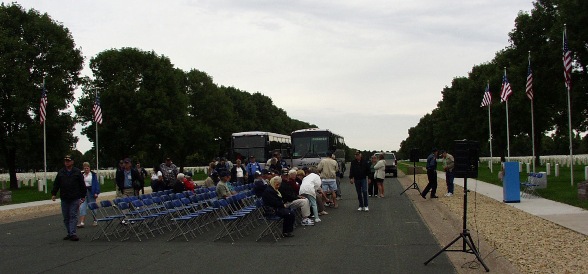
(307, 221)
(366, 209)
(360, 208)
(449, 194)
(317, 220)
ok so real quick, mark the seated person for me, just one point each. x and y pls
(293, 201)
(259, 184)
(222, 190)
(211, 180)
(271, 198)
(188, 183)
(179, 186)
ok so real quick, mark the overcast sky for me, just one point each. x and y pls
(367, 70)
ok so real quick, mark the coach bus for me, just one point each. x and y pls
(309, 146)
(260, 144)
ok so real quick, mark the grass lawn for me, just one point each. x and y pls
(27, 194)
(558, 188)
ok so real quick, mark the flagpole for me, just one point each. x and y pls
(45, 147)
(568, 89)
(532, 123)
(97, 166)
(490, 130)
(507, 129)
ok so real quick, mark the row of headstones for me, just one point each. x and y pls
(32, 179)
(547, 169)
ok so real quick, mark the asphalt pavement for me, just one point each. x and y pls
(390, 238)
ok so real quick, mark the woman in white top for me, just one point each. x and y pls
(92, 192)
(238, 173)
(157, 179)
(380, 174)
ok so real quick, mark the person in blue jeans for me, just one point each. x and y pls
(69, 182)
(358, 173)
(448, 165)
(431, 175)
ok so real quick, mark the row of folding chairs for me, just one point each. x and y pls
(183, 215)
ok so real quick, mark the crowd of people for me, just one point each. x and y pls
(283, 190)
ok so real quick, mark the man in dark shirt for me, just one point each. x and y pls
(70, 183)
(358, 176)
(431, 175)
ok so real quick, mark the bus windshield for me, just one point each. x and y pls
(310, 146)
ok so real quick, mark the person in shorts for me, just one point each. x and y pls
(328, 169)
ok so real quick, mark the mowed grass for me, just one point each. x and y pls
(558, 188)
(27, 194)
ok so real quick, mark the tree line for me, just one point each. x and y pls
(151, 109)
(459, 114)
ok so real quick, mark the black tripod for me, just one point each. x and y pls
(465, 234)
(414, 184)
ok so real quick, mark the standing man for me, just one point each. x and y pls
(328, 169)
(70, 183)
(357, 174)
(432, 175)
(169, 172)
(143, 174)
(252, 167)
(128, 180)
(448, 165)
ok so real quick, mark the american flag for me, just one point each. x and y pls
(97, 110)
(505, 91)
(487, 100)
(43, 105)
(567, 62)
(529, 89)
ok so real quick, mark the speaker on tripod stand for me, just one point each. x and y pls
(414, 158)
(466, 166)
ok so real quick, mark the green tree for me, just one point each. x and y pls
(143, 102)
(34, 48)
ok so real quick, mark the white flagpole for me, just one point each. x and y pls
(532, 123)
(490, 131)
(94, 116)
(97, 166)
(45, 145)
(570, 128)
(507, 129)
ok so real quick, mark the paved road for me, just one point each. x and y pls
(391, 238)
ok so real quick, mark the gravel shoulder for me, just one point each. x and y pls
(510, 240)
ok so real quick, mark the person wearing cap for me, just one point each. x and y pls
(358, 173)
(448, 165)
(69, 182)
(251, 168)
(222, 190)
(170, 172)
(328, 169)
(128, 180)
(260, 182)
(431, 175)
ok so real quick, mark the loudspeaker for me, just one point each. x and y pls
(414, 155)
(466, 158)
